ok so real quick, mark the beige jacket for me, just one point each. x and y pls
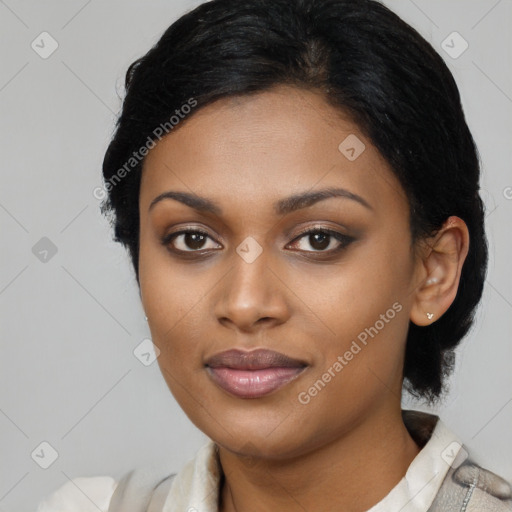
(442, 478)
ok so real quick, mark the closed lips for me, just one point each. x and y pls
(253, 374)
(255, 360)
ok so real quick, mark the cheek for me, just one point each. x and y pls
(383, 270)
(169, 295)
(364, 285)
(363, 307)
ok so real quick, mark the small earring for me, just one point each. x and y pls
(430, 316)
(431, 280)
(146, 318)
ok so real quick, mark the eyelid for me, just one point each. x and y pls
(318, 227)
(167, 238)
(343, 239)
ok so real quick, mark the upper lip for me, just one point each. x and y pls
(253, 360)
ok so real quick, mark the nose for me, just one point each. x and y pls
(251, 296)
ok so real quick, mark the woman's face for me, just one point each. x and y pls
(337, 301)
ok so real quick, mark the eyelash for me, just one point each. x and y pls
(344, 240)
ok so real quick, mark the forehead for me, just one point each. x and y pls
(265, 146)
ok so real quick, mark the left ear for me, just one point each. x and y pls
(439, 273)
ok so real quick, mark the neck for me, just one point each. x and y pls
(353, 472)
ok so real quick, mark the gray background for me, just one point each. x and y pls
(69, 325)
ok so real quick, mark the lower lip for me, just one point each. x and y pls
(253, 383)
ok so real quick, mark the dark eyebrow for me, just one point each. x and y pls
(282, 207)
(305, 199)
(193, 200)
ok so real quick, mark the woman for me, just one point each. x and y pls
(299, 193)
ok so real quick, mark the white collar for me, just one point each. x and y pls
(417, 490)
(196, 486)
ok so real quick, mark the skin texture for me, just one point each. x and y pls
(245, 154)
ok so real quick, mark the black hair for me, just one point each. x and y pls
(365, 61)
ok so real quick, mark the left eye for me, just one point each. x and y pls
(323, 240)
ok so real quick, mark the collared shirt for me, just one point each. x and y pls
(197, 485)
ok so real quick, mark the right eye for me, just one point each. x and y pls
(188, 240)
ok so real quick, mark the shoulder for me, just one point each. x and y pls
(83, 494)
(486, 490)
(475, 488)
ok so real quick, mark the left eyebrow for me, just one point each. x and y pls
(281, 207)
(305, 199)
